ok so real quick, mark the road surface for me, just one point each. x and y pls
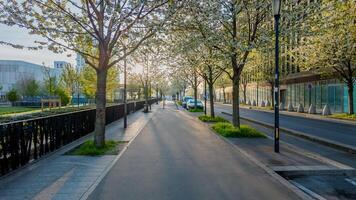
(334, 131)
(177, 157)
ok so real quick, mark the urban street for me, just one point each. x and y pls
(188, 99)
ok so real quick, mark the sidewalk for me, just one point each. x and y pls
(296, 114)
(177, 157)
(66, 177)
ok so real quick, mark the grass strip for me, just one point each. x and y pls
(226, 129)
(344, 116)
(89, 149)
(206, 118)
(196, 110)
(15, 109)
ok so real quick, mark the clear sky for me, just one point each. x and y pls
(21, 36)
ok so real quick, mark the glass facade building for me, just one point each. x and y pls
(319, 93)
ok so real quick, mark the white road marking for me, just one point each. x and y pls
(309, 192)
(351, 181)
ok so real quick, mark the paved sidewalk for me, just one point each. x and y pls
(68, 177)
(177, 157)
(306, 115)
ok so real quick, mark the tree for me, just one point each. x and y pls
(222, 82)
(12, 96)
(241, 22)
(91, 28)
(330, 49)
(191, 75)
(63, 95)
(28, 86)
(70, 79)
(50, 85)
(88, 81)
(135, 85)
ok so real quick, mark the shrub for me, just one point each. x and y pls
(196, 110)
(228, 130)
(179, 103)
(12, 96)
(65, 98)
(206, 118)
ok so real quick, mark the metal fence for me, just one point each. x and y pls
(24, 141)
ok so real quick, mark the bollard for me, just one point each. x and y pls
(290, 107)
(268, 104)
(281, 106)
(253, 103)
(263, 104)
(326, 110)
(300, 108)
(312, 109)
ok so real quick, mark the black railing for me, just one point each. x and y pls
(24, 141)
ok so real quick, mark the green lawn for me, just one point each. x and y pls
(10, 110)
(228, 130)
(344, 116)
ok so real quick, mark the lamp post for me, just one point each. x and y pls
(205, 97)
(125, 92)
(276, 8)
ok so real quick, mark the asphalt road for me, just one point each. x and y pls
(335, 131)
(177, 157)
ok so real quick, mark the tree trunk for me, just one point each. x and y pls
(195, 90)
(350, 88)
(224, 95)
(272, 94)
(257, 95)
(195, 96)
(211, 99)
(100, 99)
(139, 94)
(235, 101)
(245, 86)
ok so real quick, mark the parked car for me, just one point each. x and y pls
(191, 104)
(185, 99)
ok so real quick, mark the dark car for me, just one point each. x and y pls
(185, 99)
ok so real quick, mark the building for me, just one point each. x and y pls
(60, 64)
(80, 62)
(297, 87)
(13, 71)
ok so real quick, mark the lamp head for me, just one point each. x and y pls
(276, 7)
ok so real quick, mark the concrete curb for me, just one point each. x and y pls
(334, 172)
(326, 142)
(269, 171)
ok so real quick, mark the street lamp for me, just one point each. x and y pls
(276, 8)
(205, 97)
(125, 92)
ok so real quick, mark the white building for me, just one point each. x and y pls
(60, 64)
(80, 62)
(12, 71)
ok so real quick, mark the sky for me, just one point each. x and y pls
(22, 37)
